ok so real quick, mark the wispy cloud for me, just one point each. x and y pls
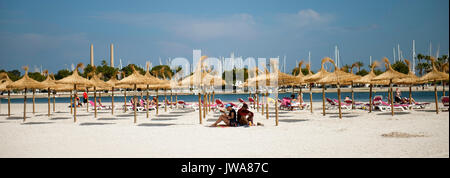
(304, 18)
(189, 27)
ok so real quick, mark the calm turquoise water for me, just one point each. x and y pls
(359, 96)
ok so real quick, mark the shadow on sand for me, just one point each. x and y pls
(395, 113)
(292, 120)
(154, 125)
(36, 123)
(60, 118)
(95, 123)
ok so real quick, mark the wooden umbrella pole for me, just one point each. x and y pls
(157, 102)
(200, 107)
(276, 111)
(87, 98)
(410, 93)
(25, 105)
(310, 97)
(262, 104)
(339, 100)
(392, 97)
(134, 102)
(112, 100)
(436, 97)
(165, 100)
(34, 90)
(125, 100)
(209, 99)
(323, 99)
(71, 102)
(267, 104)
(147, 104)
(353, 97)
(75, 106)
(171, 99)
(300, 96)
(370, 98)
(257, 101)
(48, 101)
(9, 103)
(443, 88)
(176, 99)
(214, 97)
(54, 98)
(95, 102)
(204, 105)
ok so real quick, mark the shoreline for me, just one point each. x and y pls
(281, 91)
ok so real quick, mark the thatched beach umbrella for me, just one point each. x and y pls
(337, 77)
(201, 79)
(300, 80)
(134, 79)
(434, 75)
(97, 83)
(5, 81)
(23, 84)
(151, 81)
(367, 79)
(112, 82)
(47, 84)
(390, 75)
(409, 80)
(322, 73)
(74, 80)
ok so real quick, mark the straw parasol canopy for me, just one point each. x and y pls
(411, 78)
(434, 75)
(322, 73)
(74, 80)
(367, 79)
(23, 84)
(5, 81)
(390, 74)
(134, 79)
(47, 84)
(337, 77)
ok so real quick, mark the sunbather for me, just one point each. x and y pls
(230, 119)
(244, 116)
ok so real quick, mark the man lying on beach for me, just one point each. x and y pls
(244, 116)
(230, 119)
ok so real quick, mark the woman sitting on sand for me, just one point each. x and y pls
(244, 116)
(230, 119)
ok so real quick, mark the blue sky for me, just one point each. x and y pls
(56, 34)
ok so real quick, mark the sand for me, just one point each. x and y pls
(177, 133)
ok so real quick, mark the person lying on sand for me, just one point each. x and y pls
(244, 116)
(230, 119)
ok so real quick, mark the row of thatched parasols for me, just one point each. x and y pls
(202, 79)
(338, 77)
(75, 83)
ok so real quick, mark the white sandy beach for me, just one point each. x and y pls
(177, 133)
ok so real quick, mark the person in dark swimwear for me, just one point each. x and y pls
(244, 116)
(230, 119)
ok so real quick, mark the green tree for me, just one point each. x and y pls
(14, 75)
(128, 71)
(162, 71)
(400, 66)
(359, 64)
(36, 76)
(362, 72)
(62, 73)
